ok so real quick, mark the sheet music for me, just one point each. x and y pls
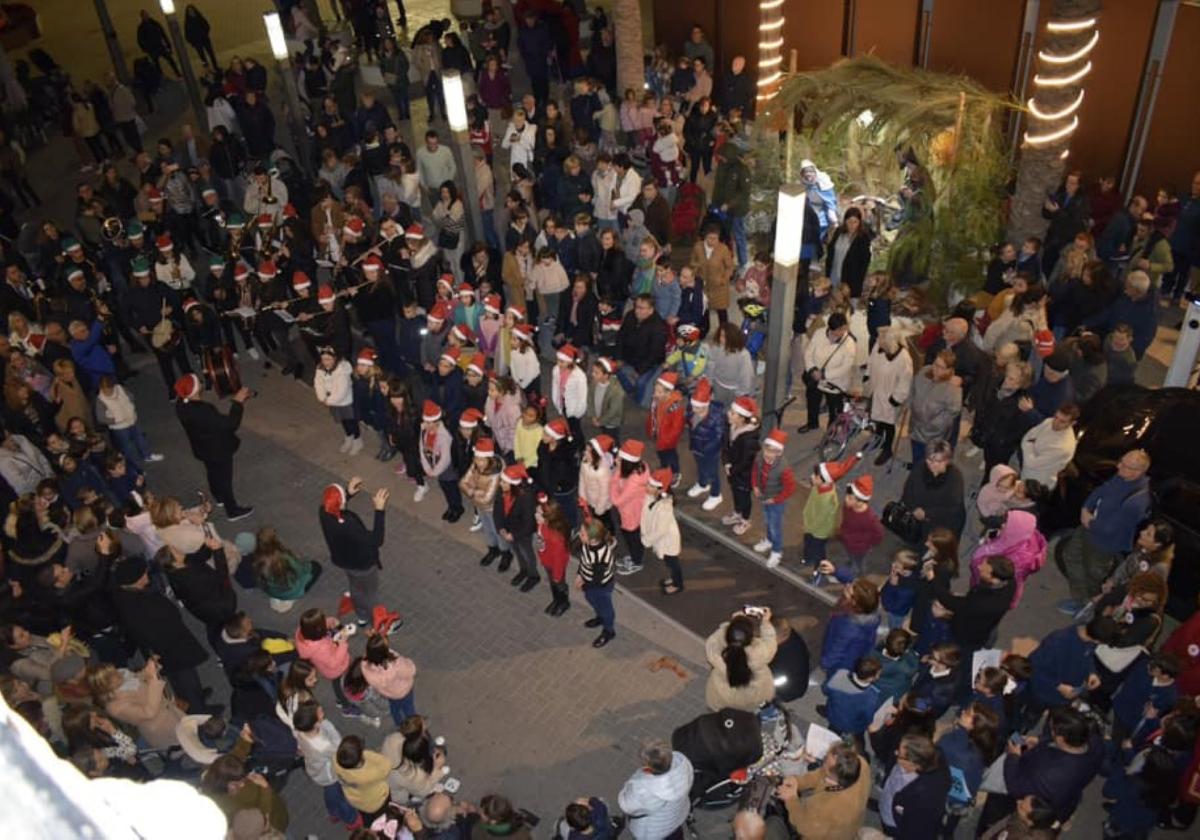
(245, 311)
(818, 740)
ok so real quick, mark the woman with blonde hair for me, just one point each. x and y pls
(24, 334)
(67, 394)
(187, 530)
(139, 699)
(889, 381)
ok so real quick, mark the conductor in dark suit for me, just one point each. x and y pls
(214, 439)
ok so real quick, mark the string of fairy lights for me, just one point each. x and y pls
(1051, 124)
(770, 48)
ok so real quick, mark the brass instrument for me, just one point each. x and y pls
(165, 337)
(112, 229)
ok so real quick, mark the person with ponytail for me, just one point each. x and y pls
(628, 492)
(352, 547)
(557, 469)
(595, 479)
(391, 675)
(516, 523)
(740, 653)
(660, 530)
(553, 544)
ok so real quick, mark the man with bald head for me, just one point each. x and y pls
(737, 89)
(440, 819)
(969, 360)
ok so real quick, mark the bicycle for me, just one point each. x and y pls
(845, 433)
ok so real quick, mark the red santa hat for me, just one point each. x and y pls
(372, 263)
(266, 270)
(466, 289)
(153, 194)
(188, 386)
(366, 356)
(515, 474)
(478, 364)
(438, 313)
(430, 412)
(164, 243)
(631, 450)
(464, 333)
(189, 305)
(567, 353)
(662, 477)
(451, 355)
(777, 438)
(557, 429)
(687, 331)
(668, 380)
(325, 294)
(702, 394)
(265, 220)
(523, 332)
(602, 444)
(746, 406)
(414, 231)
(832, 471)
(333, 501)
(353, 226)
(470, 418)
(290, 211)
(491, 304)
(606, 364)
(241, 271)
(517, 311)
(485, 448)
(863, 487)
(301, 281)
(446, 280)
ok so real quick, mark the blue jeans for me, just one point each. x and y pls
(489, 229)
(669, 458)
(133, 445)
(918, 452)
(708, 473)
(336, 804)
(773, 517)
(403, 708)
(600, 600)
(738, 230)
(490, 534)
(814, 549)
(569, 503)
(638, 386)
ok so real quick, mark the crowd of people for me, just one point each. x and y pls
(557, 378)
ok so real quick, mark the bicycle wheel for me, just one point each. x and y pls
(835, 440)
(866, 440)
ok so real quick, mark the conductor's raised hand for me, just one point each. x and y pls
(381, 498)
(354, 485)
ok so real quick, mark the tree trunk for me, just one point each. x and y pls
(1040, 169)
(627, 32)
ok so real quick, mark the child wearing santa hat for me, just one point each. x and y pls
(821, 507)
(370, 399)
(568, 389)
(433, 341)
(469, 308)
(628, 490)
(660, 530)
(334, 389)
(606, 398)
(553, 546)
(490, 325)
(773, 483)
(475, 389)
(446, 385)
(595, 479)
(859, 532)
(516, 521)
(665, 421)
(436, 460)
(557, 470)
(739, 452)
(524, 363)
(706, 433)
(479, 484)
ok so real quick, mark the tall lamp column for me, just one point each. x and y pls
(283, 65)
(789, 225)
(185, 62)
(456, 115)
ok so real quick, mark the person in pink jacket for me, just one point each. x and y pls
(391, 675)
(1021, 542)
(322, 642)
(628, 492)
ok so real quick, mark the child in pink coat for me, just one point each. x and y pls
(391, 675)
(322, 642)
(628, 492)
(1021, 542)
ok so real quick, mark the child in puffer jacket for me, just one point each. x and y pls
(391, 676)
(595, 479)
(660, 530)
(628, 492)
(322, 642)
(706, 436)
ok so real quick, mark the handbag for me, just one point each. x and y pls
(898, 519)
(448, 239)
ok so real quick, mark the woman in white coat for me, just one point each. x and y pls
(568, 390)
(890, 372)
(334, 388)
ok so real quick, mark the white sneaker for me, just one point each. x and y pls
(356, 445)
(155, 457)
(741, 526)
(774, 559)
(253, 353)
(422, 489)
(696, 490)
(730, 519)
(476, 523)
(677, 481)
(347, 442)
(762, 546)
(712, 503)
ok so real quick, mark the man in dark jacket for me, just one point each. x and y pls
(978, 613)
(731, 195)
(146, 303)
(642, 345)
(156, 626)
(353, 548)
(214, 440)
(1137, 307)
(201, 583)
(535, 45)
(916, 809)
(737, 89)
(152, 38)
(657, 213)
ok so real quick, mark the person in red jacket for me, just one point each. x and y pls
(860, 532)
(665, 422)
(773, 483)
(1185, 643)
(553, 550)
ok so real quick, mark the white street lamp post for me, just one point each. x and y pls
(456, 115)
(283, 65)
(185, 62)
(789, 231)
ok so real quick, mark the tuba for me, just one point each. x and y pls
(112, 229)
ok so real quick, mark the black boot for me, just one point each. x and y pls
(506, 559)
(520, 578)
(529, 584)
(604, 638)
(594, 621)
(455, 515)
(562, 599)
(492, 554)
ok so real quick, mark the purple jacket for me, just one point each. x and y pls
(495, 92)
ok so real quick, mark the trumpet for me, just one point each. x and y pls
(112, 229)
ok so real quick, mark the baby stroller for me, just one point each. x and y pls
(730, 749)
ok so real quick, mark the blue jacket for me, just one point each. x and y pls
(1186, 238)
(535, 44)
(706, 437)
(447, 392)
(879, 313)
(91, 356)
(666, 298)
(1061, 657)
(1047, 396)
(1119, 506)
(1138, 689)
(847, 639)
(1141, 315)
(897, 675)
(937, 691)
(966, 765)
(899, 599)
(849, 708)
(1057, 776)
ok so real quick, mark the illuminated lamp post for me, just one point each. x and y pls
(789, 226)
(456, 116)
(283, 66)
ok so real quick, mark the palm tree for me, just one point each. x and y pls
(1040, 169)
(627, 31)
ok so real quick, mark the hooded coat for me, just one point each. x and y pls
(719, 694)
(1021, 542)
(657, 804)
